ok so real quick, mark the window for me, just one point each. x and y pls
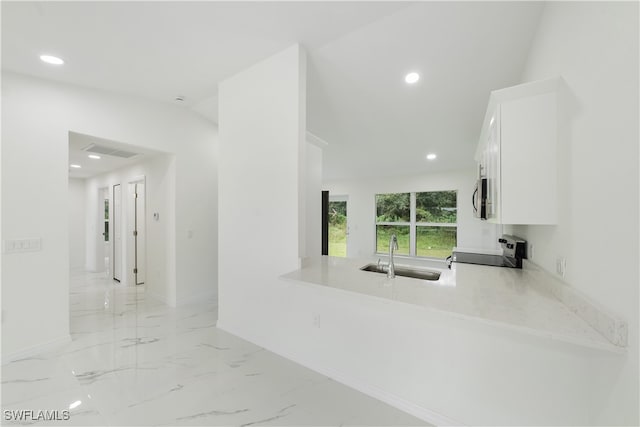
(436, 217)
(425, 223)
(393, 216)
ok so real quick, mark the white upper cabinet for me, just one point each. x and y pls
(517, 153)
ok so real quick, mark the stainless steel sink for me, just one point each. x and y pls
(416, 273)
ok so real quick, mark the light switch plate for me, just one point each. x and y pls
(22, 245)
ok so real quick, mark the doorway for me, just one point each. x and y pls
(115, 223)
(136, 218)
(338, 226)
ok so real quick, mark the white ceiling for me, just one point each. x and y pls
(359, 53)
(78, 154)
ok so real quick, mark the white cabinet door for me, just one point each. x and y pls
(492, 167)
(518, 154)
(529, 167)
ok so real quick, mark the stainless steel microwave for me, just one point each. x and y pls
(480, 199)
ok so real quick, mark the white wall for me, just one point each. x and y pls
(76, 221)
(261, 184)
(313, 200)
(36, 118)
(156, 172)
(472, 233)
(594, 47)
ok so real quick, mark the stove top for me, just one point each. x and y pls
(486, 259)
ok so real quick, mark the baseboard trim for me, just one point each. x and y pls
(36, 349)
(391, 399)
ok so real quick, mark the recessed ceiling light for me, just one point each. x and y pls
(75, 166)
(53, 60)
(431, 156)
(411, 78)
(94, 156)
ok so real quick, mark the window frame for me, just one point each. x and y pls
(412, 223)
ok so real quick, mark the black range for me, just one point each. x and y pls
(514, 251)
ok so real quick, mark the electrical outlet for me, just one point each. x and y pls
(561, 266)
(531, 251)
(316, 320)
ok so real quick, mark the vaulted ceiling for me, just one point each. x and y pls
(358, 52)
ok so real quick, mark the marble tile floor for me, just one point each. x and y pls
(134, 361)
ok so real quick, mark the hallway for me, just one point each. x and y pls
(135, 361)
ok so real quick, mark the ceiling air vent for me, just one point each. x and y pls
(101, 149)
(124, 154)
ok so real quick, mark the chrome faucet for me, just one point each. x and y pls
(393, 244)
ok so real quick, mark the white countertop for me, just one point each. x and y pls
(504, 297)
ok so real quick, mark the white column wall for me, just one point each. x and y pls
(313, 198)
(262, 128)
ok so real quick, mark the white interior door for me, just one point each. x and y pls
(136, 234)
(141, 248)
(115, 223)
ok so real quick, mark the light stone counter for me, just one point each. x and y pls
(505, 297)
